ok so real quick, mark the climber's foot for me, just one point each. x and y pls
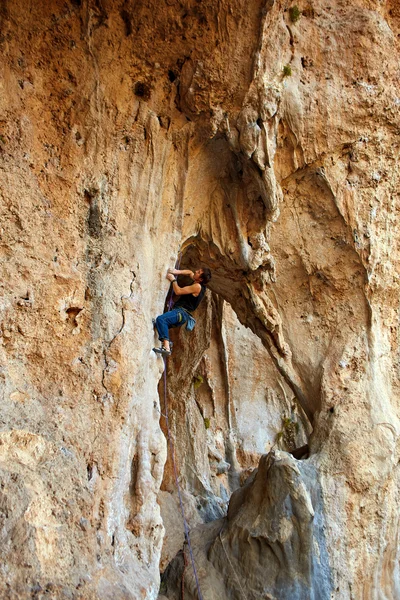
(163, 351)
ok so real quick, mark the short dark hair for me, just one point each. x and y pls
(206, 275)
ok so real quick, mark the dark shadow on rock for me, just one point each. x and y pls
(270, 545)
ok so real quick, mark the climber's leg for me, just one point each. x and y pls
(172, 318)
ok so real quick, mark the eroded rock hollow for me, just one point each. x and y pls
(259, 139)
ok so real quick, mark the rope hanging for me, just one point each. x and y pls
(171, 447)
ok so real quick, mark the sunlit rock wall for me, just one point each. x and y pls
(266, 148)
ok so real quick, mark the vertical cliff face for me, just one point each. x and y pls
(263, 142)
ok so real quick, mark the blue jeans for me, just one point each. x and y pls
(172, 318)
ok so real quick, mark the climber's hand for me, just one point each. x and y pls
(173, 271)
(170, 276)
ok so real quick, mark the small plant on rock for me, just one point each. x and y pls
(207, 423)
(287, 435)
(197, 381)
(294, 13)
(287, 71)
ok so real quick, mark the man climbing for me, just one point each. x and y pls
(189, 298)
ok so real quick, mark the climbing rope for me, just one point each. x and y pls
(171, 447)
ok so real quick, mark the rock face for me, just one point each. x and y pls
(260, 138)
(216, 396)
(271, 544)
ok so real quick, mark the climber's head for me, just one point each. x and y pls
(202, 275)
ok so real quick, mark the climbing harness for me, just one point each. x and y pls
(170, 303)
(183, 315)
(171, 447)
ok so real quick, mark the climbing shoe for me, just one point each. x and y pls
(162, 351)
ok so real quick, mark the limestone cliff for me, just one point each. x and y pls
(261, 139)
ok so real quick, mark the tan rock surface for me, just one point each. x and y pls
(128, 130)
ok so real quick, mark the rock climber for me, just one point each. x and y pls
(189, 298)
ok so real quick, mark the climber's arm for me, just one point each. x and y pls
(182, 272)
(194, 289)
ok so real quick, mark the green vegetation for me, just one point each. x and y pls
(197, 381)
(207, 423)
(288, 422)
(294, 13)
(287, 71)
(290, 428)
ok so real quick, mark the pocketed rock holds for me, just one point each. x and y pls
(270, 545)
(206, 162)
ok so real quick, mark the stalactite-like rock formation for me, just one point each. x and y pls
(271, 544)
(261, 138)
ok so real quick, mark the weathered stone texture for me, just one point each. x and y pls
(270, 545)
(266, 149)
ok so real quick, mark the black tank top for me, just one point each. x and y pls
(190, 302)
